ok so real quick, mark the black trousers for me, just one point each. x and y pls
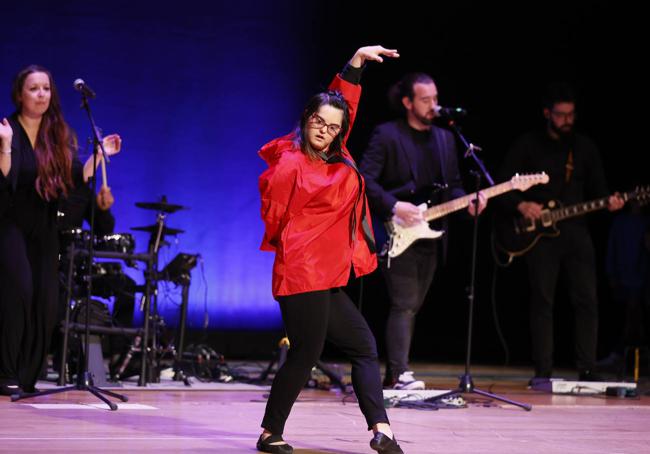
(572, 255)
(310, 319)
(408, 280)
(28, 302)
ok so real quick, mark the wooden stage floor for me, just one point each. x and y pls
(227, 421)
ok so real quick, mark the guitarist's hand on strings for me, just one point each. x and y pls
(482, 203)
(530, 210)
(615, 202)
(406, 214)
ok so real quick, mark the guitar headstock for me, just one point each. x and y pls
(524, 181)
(641, 195)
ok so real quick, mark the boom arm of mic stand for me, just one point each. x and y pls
(469, 151)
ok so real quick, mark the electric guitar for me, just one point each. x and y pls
(517, 236)
(401, 237)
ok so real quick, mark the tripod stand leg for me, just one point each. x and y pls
(466, 386)
(179, 375)
(94, 391)
(526, 407)
(84, 383)
(122, 397)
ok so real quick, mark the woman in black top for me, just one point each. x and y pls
(37, 149)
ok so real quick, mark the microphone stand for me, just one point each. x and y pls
(84, 377)
(466, 384)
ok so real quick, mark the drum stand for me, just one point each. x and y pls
(68, 325)
(179, 375)
(151, 310)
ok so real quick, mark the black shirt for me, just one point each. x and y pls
(19, 201)
(538, 152)
(427, 166)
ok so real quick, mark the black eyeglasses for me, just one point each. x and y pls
(318, 122)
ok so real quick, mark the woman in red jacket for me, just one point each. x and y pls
(317, 223)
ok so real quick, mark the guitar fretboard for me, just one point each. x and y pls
(444, 209)
(580, 208)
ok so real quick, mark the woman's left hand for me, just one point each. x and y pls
(373, 53)
(112, 144)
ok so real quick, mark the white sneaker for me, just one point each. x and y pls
(406, 381)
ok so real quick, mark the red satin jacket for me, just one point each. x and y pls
(306, 207)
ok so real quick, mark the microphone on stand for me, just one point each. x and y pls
(450, 112)
(83, 88)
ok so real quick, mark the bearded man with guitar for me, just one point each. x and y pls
(573, 163)
(409, 161)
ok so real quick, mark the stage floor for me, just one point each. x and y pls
(226, 420)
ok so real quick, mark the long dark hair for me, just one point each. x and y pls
(55, 141)
(326, 98)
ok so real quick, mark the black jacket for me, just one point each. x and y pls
(390, 168)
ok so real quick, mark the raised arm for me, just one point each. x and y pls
(347, 82)
(372, 53)
(112, 145)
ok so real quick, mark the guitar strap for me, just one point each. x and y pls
(365, 224)
(568, 167)
(568, 173)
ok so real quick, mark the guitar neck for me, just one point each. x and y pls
(446, 208)
(579, 209)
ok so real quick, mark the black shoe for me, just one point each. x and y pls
(265, 445)
(536, 381)
(589, 375)
(10, 390)
(383, 444)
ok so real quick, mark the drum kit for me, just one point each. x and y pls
(146, 340)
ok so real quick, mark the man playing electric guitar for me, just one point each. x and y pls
(576, 173)
(404, 158)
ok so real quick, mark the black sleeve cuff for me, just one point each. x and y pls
(351, 74)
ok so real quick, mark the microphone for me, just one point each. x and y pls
(84, 89)
(450, 112)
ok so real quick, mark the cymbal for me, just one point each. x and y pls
(154, 228)
(160, 206)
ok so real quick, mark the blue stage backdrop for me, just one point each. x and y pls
(194, 90)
